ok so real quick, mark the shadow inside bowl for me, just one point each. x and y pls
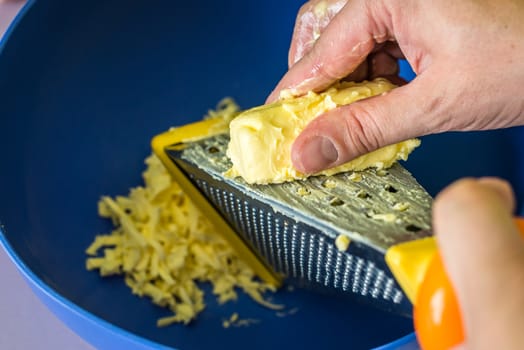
(83, 88)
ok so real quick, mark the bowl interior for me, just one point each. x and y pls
(83, 88)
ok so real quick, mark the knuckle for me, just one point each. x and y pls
(322, 67)
(362, 132)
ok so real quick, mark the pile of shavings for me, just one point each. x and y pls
(165, 247)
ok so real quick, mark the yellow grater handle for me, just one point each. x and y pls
(419, 270)
(192, 132)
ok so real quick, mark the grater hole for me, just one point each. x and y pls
(355, 177)
(390, 188)
(303, 191)
(213, 150)
(363, 194)
(335, 202)
(401, 206)
(369, 213)
(413, 228)
(329, 183)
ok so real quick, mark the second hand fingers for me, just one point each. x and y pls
(482, 252)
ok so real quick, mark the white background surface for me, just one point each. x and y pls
(25, 323)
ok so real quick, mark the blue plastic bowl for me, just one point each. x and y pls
(84, 85)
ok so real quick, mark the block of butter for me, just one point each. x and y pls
(261, 137)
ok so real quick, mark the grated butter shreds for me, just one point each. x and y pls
(164, 246)
(235, 321)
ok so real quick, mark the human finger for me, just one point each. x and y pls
(341, 48)
(312, 18)
(483, 254)
(347, 132)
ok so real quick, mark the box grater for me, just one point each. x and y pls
(289, 230)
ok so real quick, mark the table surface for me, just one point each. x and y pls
(26, 323)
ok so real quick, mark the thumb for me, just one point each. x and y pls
(347, 132)
(484, 256)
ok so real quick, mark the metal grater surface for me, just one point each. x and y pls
(293, 226)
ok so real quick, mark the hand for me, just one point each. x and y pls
(484, 257)
(468, 57)
(314, 16)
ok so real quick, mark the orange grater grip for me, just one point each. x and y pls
(439, 324)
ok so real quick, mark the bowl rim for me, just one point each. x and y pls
(36, 282)
(14, 23)
(30, 277)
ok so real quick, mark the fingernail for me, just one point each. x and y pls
(317, 154)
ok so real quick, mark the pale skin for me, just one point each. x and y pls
(469, 59)
(484, 256)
